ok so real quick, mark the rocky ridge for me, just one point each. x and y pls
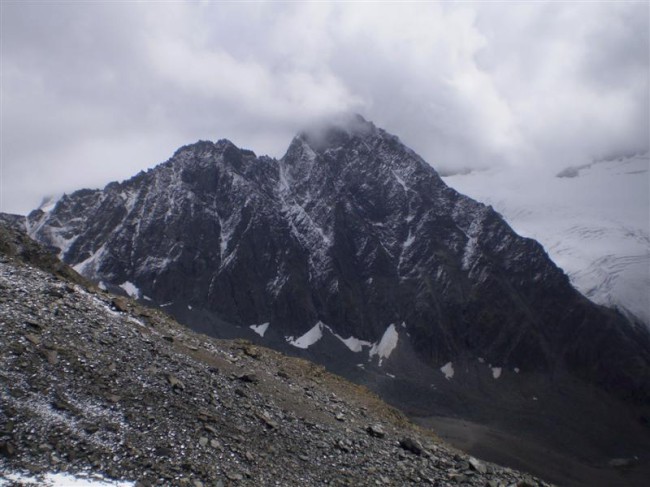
(98, 384)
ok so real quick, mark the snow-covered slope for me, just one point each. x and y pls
(593, 220)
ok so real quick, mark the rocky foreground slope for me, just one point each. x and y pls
(95, 384)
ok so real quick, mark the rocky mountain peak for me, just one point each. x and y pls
(337, 132)
(207, 154)
(351, 251)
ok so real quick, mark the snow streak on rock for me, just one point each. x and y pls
(448, 370)
(386, 345)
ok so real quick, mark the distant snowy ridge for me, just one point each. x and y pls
(592, 219)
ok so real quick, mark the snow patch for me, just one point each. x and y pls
(130, 289)
(102, 286)
(401, 182)
(260, 329)
(60, 480)
(496, 372)
(516, 370)
(309, 338)
(354, 344)
(448, 370)
(136, 321)
(386, 345)
(409, 241)
(86, 267)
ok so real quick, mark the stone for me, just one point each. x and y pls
(376, 431)
(251, 351)
(203, 441)
(248, 377)
(7, 449)
(52, 357)
(412, 445)
(267, 420)
(34, 325)
(477, 465)
(210, 429)
(176, 383)
(113, 398)
(234, 476)
(120, 304)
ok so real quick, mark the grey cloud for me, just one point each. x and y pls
(97, 91)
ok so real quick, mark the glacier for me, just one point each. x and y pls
(592, 219)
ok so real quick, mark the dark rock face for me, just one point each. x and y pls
(352, 229)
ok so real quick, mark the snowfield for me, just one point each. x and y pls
(593, 220)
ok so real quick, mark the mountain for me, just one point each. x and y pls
(100, 391)
(351, 251)
(593, 219)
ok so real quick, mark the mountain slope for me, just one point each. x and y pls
(351, 251)
(96, 385)
(352, 229)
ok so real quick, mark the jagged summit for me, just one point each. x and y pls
(336, 132)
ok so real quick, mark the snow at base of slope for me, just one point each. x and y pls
(386, 345)
(354, 344)
(308, 339)
(60, 480)
(448, 370)
(88, 267)
(130, 289)
(260, 329)
(595, 225)
(316, 333)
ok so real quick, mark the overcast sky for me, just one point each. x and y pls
(96, 91)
